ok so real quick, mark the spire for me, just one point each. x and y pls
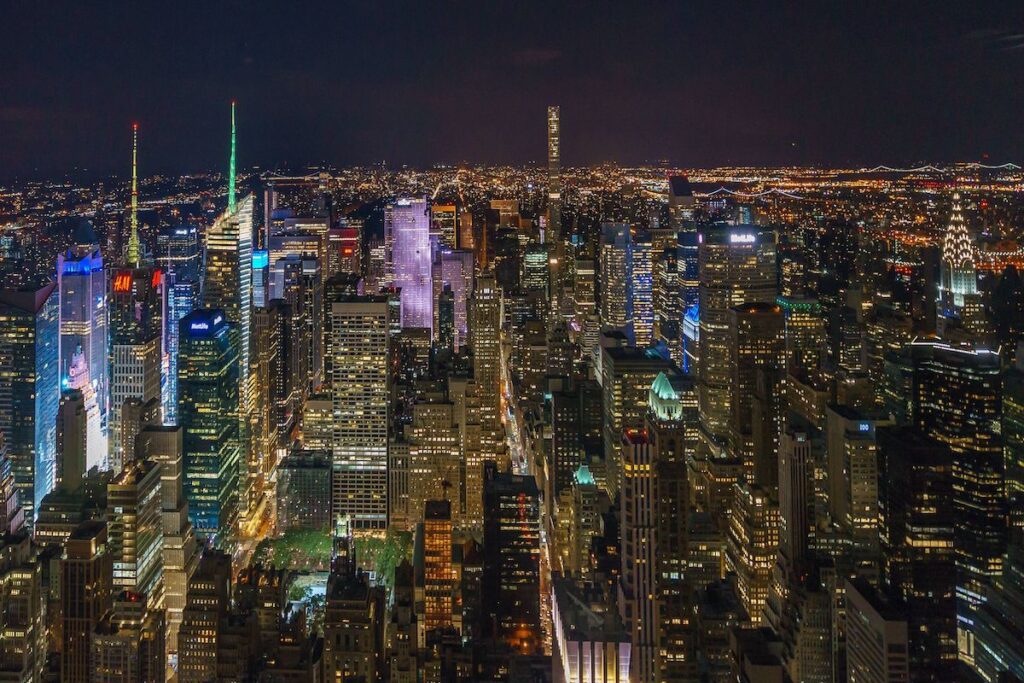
(231, 164)
(957, 247)
(133, 236)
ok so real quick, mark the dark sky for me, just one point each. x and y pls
(697, 83)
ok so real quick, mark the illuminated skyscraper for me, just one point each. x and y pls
(554, 174)
(82, 283)
(637, 580)
(30, 390)
(444, 224)
(134, 529)
(512, 560)
(753, 542)
(179, 254)
(958, 289)
(457, 273)
(737, 266)
(228, 288)
(915, 500)
(535, 274)
(439, 577)
(641, 282)
(486, 315)
(136, 333)
(680, 209)
(86, 578)
(957, 400)
(179, 552)
(360, 386)
(407, 229)
(208, 412)
(755, 387)
(616, 273)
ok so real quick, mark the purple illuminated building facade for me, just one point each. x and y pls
(407, 232)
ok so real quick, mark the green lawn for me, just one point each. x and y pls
(300, 549)
(382, 555)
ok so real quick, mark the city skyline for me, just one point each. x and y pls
(696, 84)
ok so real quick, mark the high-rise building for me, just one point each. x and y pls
(444, 225)
(554, 173)
(82, 284)
(134, 529)
(959, 299)
(737, 266)
(178, 253)
(616, 277)
(457, 273)
(534, 277)
(592, 645)
(1000, 623)
(753, 541)
(208, 404)
(30, 390)
(485, 342)
(756, 355)
(957, 400)
(228, 288)
(407, 231)
(915, 500)
(179, 552)
(360, 387)
(641, 285)
(851, 452)
(209, 598)
(86, 570)
(304, 491)
(128, 642)
(637, 552)
(627, 374)
(71, 440)
(876, 636)
(22, 619)
(512, 560)
(136, 310)
(438, 574)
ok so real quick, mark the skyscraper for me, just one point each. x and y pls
(134, 529)
(755, 360)
(637, 580)
(457, 273)
(208, 404)
(82, 284)
(439, 577)
(179, 552)
(360, 387)
(512, 559)
(228, 288)
(86, 573)
(957, 400)
(136, 334)
(554, 174)
(407, 227)
(641, 283)
(737, 266)
(958, 288)
(616, 273)
(179, 255)
(486, 316)
(30, 390)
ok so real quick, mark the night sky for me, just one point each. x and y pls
(696, 83)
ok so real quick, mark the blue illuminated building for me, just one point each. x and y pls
(208, 414)
(30, 386)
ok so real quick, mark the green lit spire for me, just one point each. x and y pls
(231, 165)
(133, 236)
